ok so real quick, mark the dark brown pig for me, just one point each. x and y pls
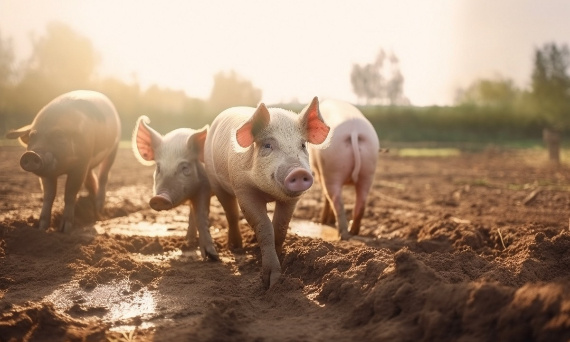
(179, 176)
(256, 156)
(71, 135)
(349, 159)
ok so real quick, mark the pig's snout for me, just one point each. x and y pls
(31, 161)
(298, 180)
(161, 201)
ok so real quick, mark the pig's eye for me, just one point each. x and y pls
(267, 145)
(185, 168)
(303, 146)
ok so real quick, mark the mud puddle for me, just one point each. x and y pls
(124, 305)
(114, 303)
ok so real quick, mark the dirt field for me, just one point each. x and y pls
(473, 247)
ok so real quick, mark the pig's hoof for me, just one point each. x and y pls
(67, 227)
(345, 236)
(270, 278)
(43, 225)
(273, 278)
(235, 245)
(211, 254)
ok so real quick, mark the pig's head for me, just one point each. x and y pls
(280, 160)
(177, 155)
(51, 149)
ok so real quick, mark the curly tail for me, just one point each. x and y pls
(357, 157)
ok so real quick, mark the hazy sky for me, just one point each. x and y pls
(297, 49)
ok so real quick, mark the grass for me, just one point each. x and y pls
(428, 152)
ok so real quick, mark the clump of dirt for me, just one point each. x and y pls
(42, 322)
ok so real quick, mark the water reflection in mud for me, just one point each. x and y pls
(114, 303)
(314, 230)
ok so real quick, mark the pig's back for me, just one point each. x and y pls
(89, 113)
(338, 158)
(336, 112)
(345, 119)
(220, 144)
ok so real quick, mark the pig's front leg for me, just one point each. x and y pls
(192, 232)
(201, 210)
(72, 187)
(255, 212)
(49, 187)
(281, 219)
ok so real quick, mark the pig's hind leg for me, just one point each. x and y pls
(231, 208)
(327, 215)
(103, 178)
(92, 184)
(334, 196)
(72, 186)
(361, 189)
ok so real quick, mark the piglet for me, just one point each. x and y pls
(179, 176)
(349, 159)
(71, 135)
(256, 156)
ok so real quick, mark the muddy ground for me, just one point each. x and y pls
(474, 247)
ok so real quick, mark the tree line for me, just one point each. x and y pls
(63, 60)
(486, 110)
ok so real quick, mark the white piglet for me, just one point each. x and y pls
(179, 176)
(259, 155)
(349, 159)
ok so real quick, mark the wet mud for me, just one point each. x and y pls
(470, 247)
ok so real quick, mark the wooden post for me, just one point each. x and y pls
(552, 140)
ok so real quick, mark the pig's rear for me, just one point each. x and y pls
(352, 153)
(350, 158)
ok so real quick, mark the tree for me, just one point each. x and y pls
(551, 93)
(230, 90)
(379, 82)
(498, 92)
(6, 79)
(61, 60)
(64, 56)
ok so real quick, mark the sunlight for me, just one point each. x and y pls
(142, 228)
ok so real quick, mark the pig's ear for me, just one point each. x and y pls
(144, 141)
(197, 141)
(311, 119)
(245, 135)
(22, 134)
